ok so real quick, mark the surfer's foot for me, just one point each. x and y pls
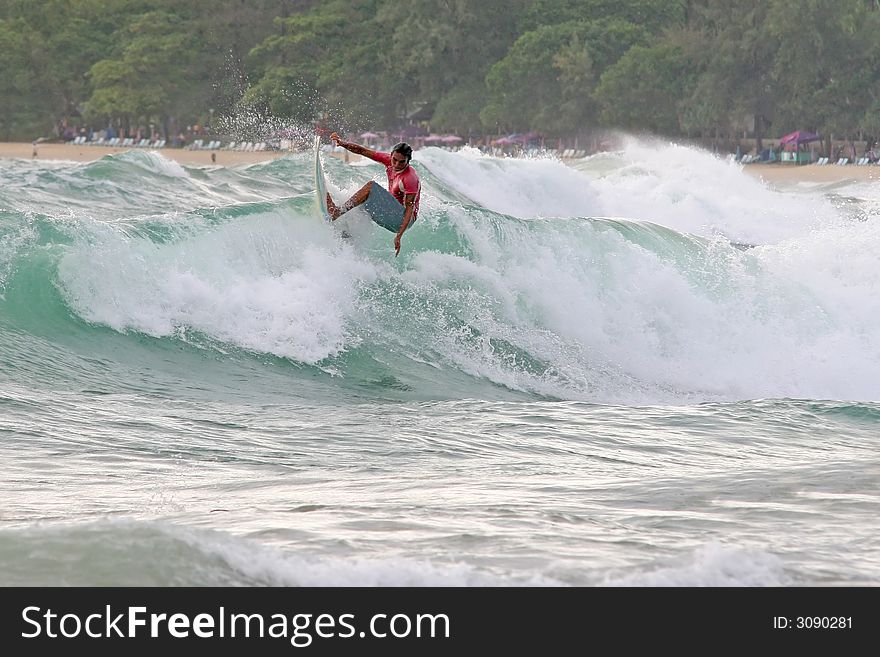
(332, 209)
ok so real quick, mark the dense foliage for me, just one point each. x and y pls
(695, 68)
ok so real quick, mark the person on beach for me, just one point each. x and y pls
(395, 208)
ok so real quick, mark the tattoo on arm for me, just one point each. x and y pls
(360, 150)
(409, 203)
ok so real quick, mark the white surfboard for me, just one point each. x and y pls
(320, 183)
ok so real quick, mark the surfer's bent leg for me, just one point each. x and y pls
(356, 199)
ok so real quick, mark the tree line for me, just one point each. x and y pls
(709, 69)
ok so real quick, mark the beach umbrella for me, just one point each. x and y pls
(451, 139)
(431, 139)
(799, 137)
(528, 137)
(369, 135)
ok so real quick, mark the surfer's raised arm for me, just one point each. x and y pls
(352, 147)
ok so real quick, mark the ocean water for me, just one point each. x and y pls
(644, 368)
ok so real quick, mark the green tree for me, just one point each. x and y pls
(325, 60)
(458, 110)
(737, 81)
(644, 89)
(140, 82)
(546, 80)
(443, 50)
(18, 88)
(653, 15)
(223, 37)
(827, 64)
(698, 67)
(59, 39)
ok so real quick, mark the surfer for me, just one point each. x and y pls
(395, 208)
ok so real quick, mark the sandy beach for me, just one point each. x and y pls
(85, 153)
(812, 172)
(78, 153)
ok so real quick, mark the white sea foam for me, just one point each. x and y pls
(677, 319)
(682, 188)
(279, 568)
(257, 285)
(524, 188)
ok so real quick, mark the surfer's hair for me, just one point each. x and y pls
(404, 149)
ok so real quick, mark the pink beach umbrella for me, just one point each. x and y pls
(369, 135)
(799, 137)
(433, 139)
(451, 139)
